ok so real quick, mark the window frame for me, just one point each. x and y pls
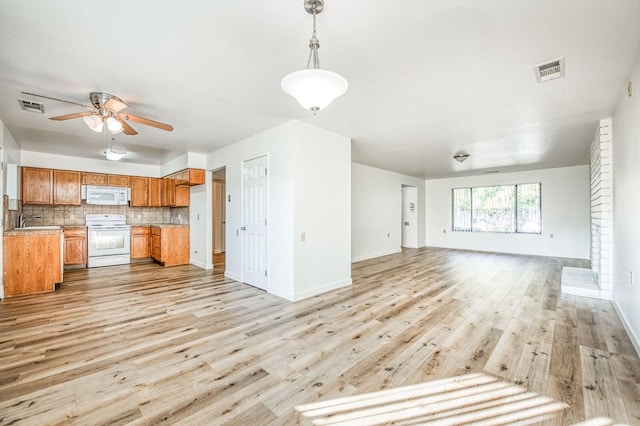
(515, 208)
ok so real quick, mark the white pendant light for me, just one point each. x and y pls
(313, 87)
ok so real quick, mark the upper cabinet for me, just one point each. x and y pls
(139, 191)
(99, 179)
(46, 186)
(66, 187)
(37, 186)
(119, 180)
(155, 192)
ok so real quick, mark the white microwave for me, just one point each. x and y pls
(105, 195)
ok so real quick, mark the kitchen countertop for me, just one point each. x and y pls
(33, 231)
(167, 225)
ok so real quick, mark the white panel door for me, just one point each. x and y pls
(254, 229)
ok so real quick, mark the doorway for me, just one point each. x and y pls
(219, 216)
(409, 216)
(254, 222)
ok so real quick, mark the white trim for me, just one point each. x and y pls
(374, 255)
(200, 264)
(319, 290)
(233, 276)
(634, 339)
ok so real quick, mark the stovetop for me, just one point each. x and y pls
(106, 221)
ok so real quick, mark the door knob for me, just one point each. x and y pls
(244, 228)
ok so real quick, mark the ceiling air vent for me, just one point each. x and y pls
(31, 106)
(549, 70)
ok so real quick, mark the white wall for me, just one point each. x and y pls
(301, 192)
(565, 214)
(65, 162)
(626, 228)
(376, 211)
(322, 211)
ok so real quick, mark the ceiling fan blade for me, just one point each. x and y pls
(148, 122)
(70, 116)
(59, 100)
(115, 105)
(128, 130)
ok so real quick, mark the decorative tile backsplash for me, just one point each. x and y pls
(74, 215)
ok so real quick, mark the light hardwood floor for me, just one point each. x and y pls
(144, 344)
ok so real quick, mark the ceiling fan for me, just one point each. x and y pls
(106, 109)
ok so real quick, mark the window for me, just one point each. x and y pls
(505, 208)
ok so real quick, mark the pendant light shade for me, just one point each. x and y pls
(314, 88)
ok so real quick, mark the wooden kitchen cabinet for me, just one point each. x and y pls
(170, 245)
(118, 180)
(66, 187)
(182, 196)
(32, 262)
(139, 191)
(75, 246)
(189, 177)
(168, 191)
(98, 179)
(155, 192)
(37, 186)
(140, 242)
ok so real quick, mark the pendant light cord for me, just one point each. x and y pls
(314, 61)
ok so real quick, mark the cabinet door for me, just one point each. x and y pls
(196, 176)
(66, 187)
(118, 180)
(139, 191)
(168, 191)
(94, 179)
(156, 251)
(139, 242)
(75, 247)
(182, 196)
(37, 186)
(155, 192)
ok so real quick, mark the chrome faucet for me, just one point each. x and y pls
(22, 220)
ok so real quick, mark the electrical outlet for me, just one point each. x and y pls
(551, 235)
(303, 237)
(388, 235)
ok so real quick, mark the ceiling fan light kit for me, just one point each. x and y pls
(106, 108)
(314, 88)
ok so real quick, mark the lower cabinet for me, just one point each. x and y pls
(75, 247)
(170, 245)
(140, 242)
(32, 262)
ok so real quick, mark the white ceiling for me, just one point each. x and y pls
(427, 77)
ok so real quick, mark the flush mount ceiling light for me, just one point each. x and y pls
(115, 153)
(461, 156)
(313, 87)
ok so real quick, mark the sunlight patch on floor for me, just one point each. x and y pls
(473, 398)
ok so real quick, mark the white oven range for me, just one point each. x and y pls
(109, 240)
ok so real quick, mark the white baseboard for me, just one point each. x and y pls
(200, 264)
(232, 276)
(322, 289)
(634, 339)
(374, 255)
